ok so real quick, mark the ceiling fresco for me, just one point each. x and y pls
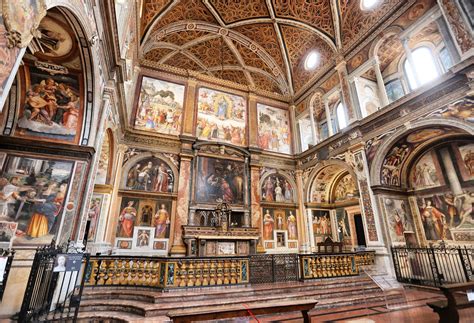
(259, 43)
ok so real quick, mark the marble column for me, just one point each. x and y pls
(328, 117)
(302, 219)
(380, 83)
(181, 217)
(114, 209)
(451, 172)
(313, 125)
(188, 115)
(346, 91)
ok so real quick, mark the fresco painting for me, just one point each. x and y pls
(276, 188)
(273, 129)
(221, 117)
(150, 174)
(220, 180)
(160, 106)
(399, 219)
(343, 228)
(467, 161)
(281, 220)
(321, 225)
(345, 189)
(127, 217)
(104, 159)
(52, 107)
(93, 215)
(425, 174)
(33, 193)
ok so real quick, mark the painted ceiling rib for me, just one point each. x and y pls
(214, 13)
(156, 19)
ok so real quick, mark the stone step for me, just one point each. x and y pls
(170, 298)
(149, 295)
(161, 308)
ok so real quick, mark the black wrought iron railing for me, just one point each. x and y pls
(55, 285)
(433, 266)
(6, 259)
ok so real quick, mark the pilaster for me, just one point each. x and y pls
(189, 107)
(302, 219)
(253, 124)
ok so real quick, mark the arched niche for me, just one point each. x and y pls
(324, 178)
(439, 182)
(269, 182)
(52, 98)
(145, 169)
(389, 165)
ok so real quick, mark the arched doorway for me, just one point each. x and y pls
(333, 206)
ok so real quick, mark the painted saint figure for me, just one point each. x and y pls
(268, 226)
(127, 220)
(279, 194)
(291, 224)
(161, 222)
(161, 184)
(269, 190)
(434, 222)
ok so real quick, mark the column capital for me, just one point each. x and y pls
(122, 148)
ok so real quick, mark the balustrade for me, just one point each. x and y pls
(167, 273)
(334, 265)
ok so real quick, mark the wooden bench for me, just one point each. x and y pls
(242, 310)
(448, 309)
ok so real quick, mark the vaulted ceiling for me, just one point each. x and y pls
(259, 43)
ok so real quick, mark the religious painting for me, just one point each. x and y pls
(343, 228)
(425, 173)
(33, 193)
(394, 90)
(445, 216)
(160, 106)
(279, 220)
(306, 134)
(161, 219)
(399, 219)
(276, 188)
(150, 174)
(273, 129)
(160, 245)
(93, 215)
(52, 108)
(103, 164)
(144, 236)
(345, 189)
(268, 225)
(221, 117)
(461, 109)
(220, 180)
(127, 217)
(466, 163)
(321, 221)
